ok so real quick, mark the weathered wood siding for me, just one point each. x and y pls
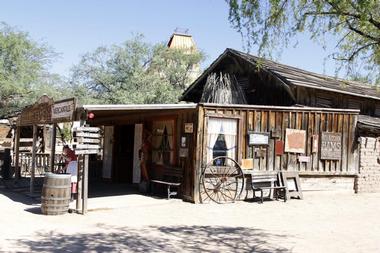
(313, 121)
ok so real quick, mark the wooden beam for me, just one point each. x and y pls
(85, 184)
(53, 143)
(17, 151)
(34, 150)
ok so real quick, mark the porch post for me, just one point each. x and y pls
(53, 142)
(34, 150)
(17, 153)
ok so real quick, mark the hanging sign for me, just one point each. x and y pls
(258, 138)
(331, 146)
(62, 111)
(295, 140)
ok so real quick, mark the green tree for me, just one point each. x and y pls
(23, 63)
(270, 24)
(133, 72)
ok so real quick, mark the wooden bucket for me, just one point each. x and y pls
(56, 194)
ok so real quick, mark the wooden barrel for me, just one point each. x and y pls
(56, 194)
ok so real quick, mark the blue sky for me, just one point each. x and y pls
(73, 28)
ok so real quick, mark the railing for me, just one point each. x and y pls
(42, 164)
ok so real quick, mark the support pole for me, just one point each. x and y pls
(34, 150)
(17, 153)
(85, 184)
(79, 183)
(53, 142)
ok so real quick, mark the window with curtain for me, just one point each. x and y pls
(222, 138)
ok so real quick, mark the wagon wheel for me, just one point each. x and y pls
(220, 180)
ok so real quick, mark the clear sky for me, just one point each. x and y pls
(74, 27)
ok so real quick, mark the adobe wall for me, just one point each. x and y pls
(368, 179)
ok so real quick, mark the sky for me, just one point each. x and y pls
(75, 27)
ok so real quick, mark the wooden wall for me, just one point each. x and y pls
(313, 121)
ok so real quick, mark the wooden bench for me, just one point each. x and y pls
(172, 177)
(261, 182)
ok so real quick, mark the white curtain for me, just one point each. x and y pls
(227, 127)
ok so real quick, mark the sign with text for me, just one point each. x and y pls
(295, 141)
(38, 113)
(258, 138)
(331, 146)
(63, 110)
(87, 140)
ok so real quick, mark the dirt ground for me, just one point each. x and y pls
(322, 222)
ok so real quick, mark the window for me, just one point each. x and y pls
(162, 142)
(222, 138)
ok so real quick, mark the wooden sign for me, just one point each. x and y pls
(62, 111)
(87, 140)
(292, 183)
(188, 128)
(303, 159)
(258, 138)
(295, 141)
(183, 152)
(331, 146)
(38, 113)
(279, 147)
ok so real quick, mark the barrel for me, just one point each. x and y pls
(56, 194)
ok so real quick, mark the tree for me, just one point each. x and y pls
(134, 72)
(23, 75)
(270, 24)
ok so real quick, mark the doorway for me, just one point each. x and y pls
(123, 154)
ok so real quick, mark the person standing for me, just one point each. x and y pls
(71, 167)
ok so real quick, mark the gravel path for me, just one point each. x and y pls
(322, 222)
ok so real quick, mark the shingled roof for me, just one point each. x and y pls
(295, 76)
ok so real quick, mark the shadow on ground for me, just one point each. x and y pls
(159, 239)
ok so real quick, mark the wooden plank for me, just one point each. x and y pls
(53, 144)
(87, 135)
(264, 125)
(278, 124)
(34, 150)
(270, 149)
(86, 151)
(83, 140)
(257, 125)
(322, 127)
(17, 150)
(309, 134)
(351, 135)
(86, 129)
(285, 124)
(85, 146)
(85, 185)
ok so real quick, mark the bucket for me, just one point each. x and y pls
(56, 194)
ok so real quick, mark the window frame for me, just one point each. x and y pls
(239, 134)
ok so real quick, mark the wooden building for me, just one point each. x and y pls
(190, 133)
(265, 82)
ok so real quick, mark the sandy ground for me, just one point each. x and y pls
(322, 222)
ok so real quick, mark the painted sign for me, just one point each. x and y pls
(38, 113)
(279, 147)
(331, 146)
(87, 140)
(258, 138)
(303, 159)
(189, 128)
(295, 140)
(63, 110)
